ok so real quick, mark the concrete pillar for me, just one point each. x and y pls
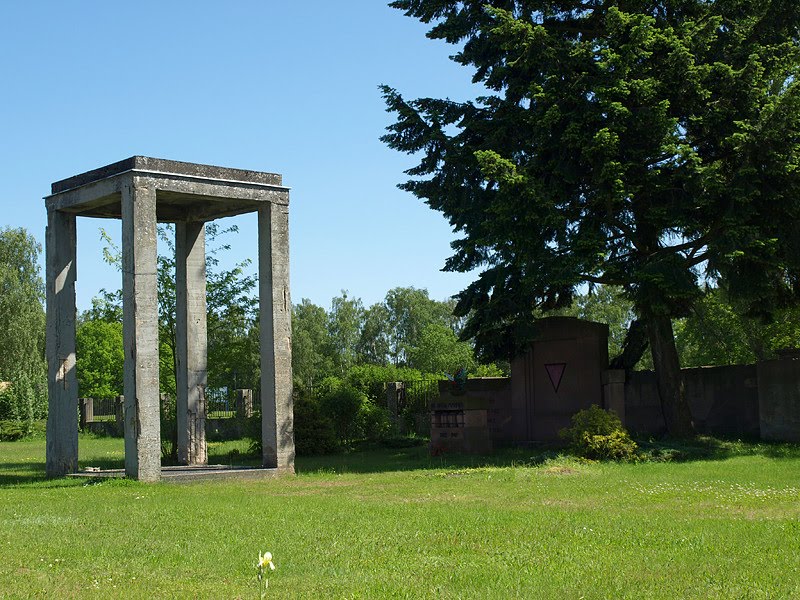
(86, 406)
(140, 331)
(393, 391)
(192, 342)
(277, 416)
(119, 411)
(62, 383)
(244, 403)
(614, 391)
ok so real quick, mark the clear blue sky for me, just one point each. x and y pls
(287, 87)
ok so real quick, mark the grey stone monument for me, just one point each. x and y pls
(143, 191)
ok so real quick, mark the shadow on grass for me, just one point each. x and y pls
(376, 458)
(408, 455)
(705, 447)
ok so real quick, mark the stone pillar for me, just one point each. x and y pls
(140, 331)
(393, 391)
(86, 406)
(614, 391)
(119, 411)
(244, 403)
(192, 342)
(277, 417)
(62, 382)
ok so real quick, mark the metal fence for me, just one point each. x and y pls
(220, 403)
(416, 396)
(104, 409)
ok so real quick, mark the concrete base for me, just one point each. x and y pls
(182, 473)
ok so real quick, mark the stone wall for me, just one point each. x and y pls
(779, 399)
(745, 401)
(724, 401)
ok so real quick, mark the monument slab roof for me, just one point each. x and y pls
(184, 191)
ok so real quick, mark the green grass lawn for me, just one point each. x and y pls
(397, 524)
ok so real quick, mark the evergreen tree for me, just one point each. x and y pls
(641, 143)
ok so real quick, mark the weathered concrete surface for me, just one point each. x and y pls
(724, 401)
(779, 399)
(192, 342)
(184, 191)
(140, 331)
(614, 392)
(62, 382)
(181, 474)
(142, 191)
(277, 428)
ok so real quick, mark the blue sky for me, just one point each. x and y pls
(272, 86)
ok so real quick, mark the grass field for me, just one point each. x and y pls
(397, 524)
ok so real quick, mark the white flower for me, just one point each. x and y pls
(265, 561)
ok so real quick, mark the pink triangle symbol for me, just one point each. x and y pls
(555, 371)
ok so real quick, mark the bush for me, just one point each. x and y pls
(26, 398)
(343, 407)
(598, 434)
(11, 431)
(374, 421)
(313, 431)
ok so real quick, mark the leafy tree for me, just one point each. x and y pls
(374, 343)
(311, 345)
(231, 312)
(439, 350)
(22, 327)
(638, 144)
(344, 327)
(100, 358)
(717, 332)
(410, 310)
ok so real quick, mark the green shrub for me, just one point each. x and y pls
(343, 407)
(313, 431)
(11, 431)
(598, 434)
(374, 421)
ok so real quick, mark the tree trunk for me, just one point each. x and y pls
(675, 408)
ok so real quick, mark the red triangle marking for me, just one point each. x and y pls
(555, 371)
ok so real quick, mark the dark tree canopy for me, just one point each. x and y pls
(644, 144)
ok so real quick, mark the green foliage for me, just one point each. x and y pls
(438, 350)
(311, 345)
(718, 332)
(25, 400)
(231, 319)
(99, 358)
(313, 431)
(343, 406)
(490, 370)
(598, 434)
(371, 380)
(22, 327)
(344, 325)
(374, 421)
(11, 431)
(643, 145)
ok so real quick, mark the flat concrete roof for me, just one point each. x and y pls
(184, 191)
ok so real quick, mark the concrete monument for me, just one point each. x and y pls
(143, 191)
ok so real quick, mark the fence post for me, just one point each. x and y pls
(86, 406)
(119, 410)
(393, 391)
(244, 403)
